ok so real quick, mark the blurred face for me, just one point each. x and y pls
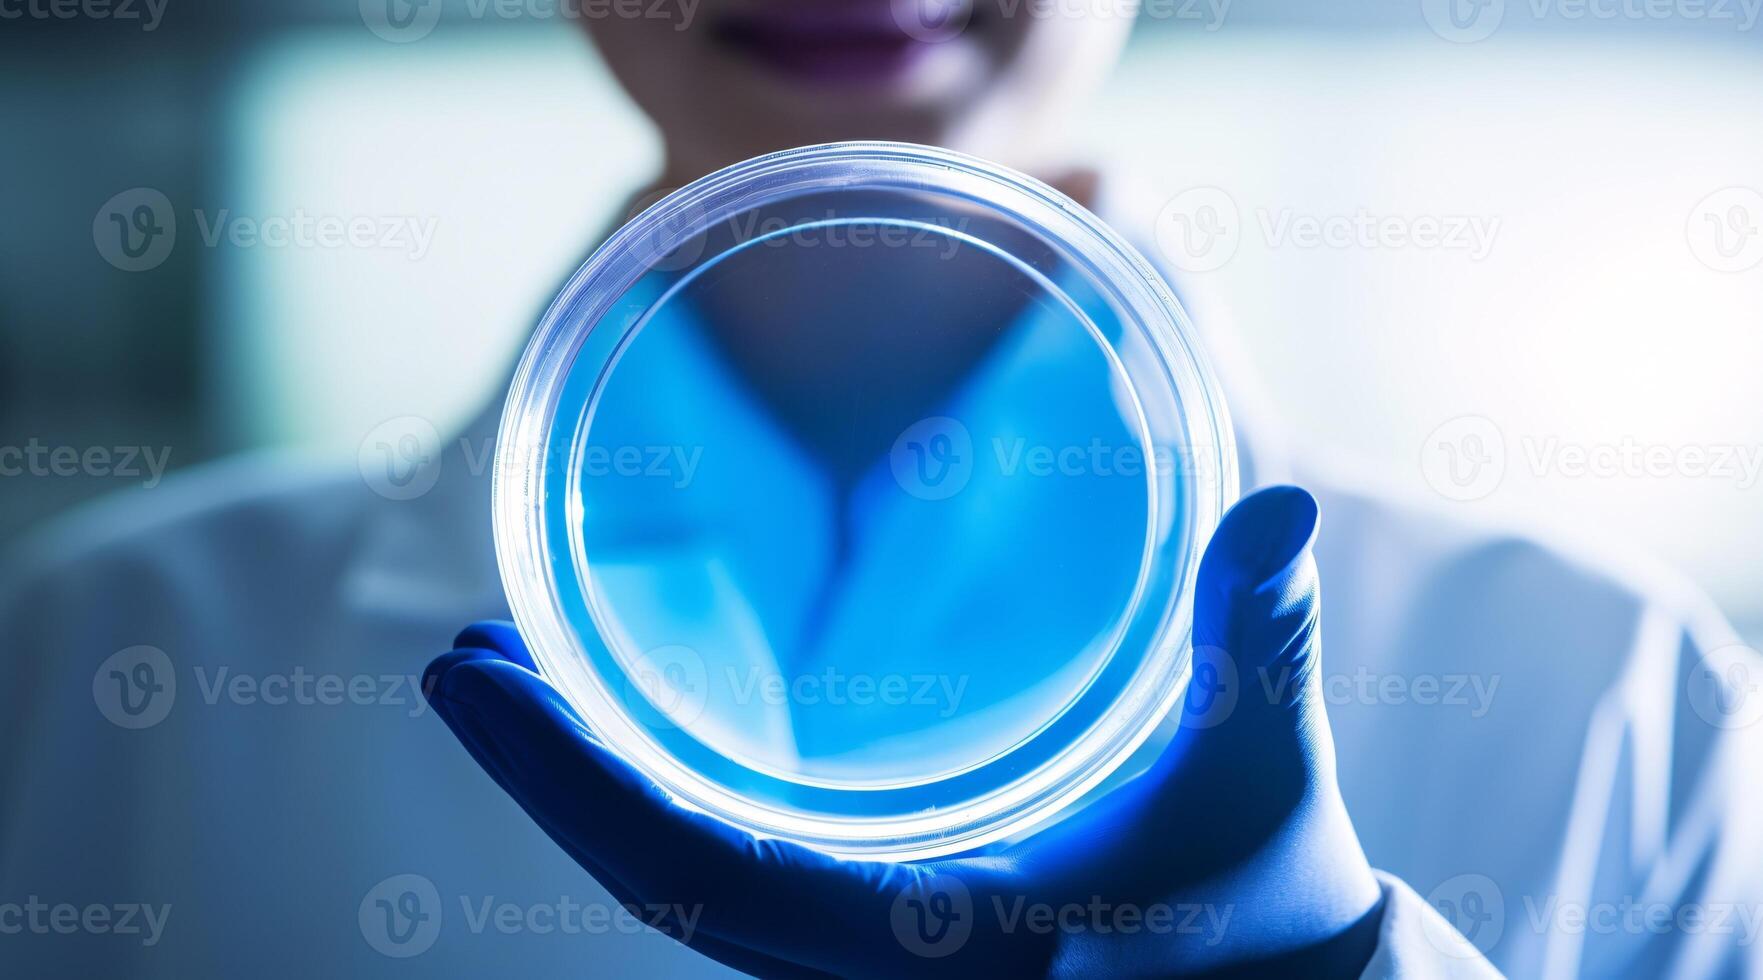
(730, 79)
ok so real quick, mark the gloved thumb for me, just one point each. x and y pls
(1254, 703)
(1247, 785)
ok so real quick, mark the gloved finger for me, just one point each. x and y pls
(1253, 694)
(492, 639)
(769, 896)
(1248, 740)
(677, 922)
(500, 636)
(448, 712)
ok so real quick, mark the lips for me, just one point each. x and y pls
(824, 42)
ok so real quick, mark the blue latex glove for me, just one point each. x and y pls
(1235, 842)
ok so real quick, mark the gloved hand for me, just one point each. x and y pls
(1232, 855)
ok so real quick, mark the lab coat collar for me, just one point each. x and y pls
(433, 556)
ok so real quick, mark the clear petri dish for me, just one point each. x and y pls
(854, 494)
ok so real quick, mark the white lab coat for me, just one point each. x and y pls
(1522, 735)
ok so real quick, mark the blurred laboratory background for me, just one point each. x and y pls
(1590, 173)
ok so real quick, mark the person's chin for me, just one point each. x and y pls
(804, 121)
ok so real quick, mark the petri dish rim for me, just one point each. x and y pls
(1148, 310)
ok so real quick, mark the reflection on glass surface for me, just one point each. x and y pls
(862, 502)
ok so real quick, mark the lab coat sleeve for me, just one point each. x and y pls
(62, 785)
(36, 617)
(1416, 943)
(1661, 867)
(17, 669)
(66, 769)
